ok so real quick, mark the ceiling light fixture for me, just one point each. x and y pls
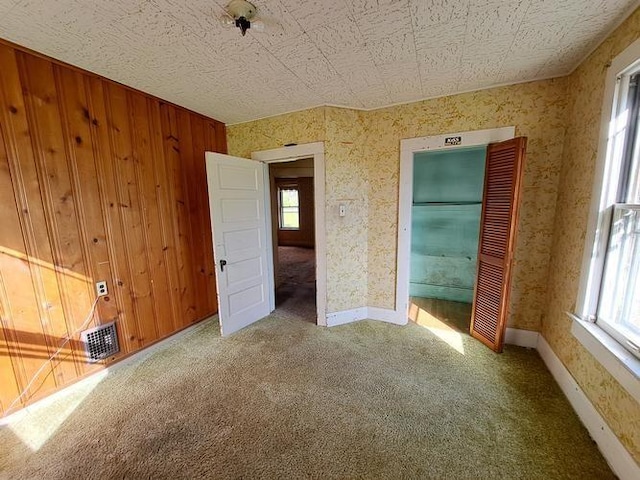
(239, 14)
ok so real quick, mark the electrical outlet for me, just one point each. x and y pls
(101, 288)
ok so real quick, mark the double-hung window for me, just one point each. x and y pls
(289, 206)
(618, 308)
(609, 294)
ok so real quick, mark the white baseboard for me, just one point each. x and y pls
(513, 336)
(346, 316)
(386, 315)
(374, 313)
(521, 338)
(619, 459)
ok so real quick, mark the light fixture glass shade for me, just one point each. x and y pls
(227, 21)
(258, 26)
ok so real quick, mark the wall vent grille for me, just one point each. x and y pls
(101, 342)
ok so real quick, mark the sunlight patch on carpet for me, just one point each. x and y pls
(34, 425)
(444, 332)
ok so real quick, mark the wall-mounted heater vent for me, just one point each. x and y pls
(100, 342)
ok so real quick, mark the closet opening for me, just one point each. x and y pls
(457, 224)
(446, 210)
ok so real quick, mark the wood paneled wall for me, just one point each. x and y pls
(97, 182)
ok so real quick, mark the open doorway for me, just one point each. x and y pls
(293, 236)
(243, 233)
(286, 155)
(445, 228)
(456, 236)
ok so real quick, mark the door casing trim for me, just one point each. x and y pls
(287, 154)
(408, 147)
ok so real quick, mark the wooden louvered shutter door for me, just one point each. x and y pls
(499, 222)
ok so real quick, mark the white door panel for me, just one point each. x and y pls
(245, 271)
(246, 299)
(239, 240)
(240, 210)
(236, 201)
(235, 177)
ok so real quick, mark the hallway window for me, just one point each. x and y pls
(289, 208)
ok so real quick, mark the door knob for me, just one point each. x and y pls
(222, 264)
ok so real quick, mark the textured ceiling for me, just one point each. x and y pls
(359, 53)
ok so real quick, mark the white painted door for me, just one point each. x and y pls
(236, 203)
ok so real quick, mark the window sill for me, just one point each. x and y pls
(618, 361)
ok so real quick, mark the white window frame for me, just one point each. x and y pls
(281, 207)
(619, 361)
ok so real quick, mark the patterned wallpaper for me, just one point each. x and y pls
(585, 97)
(346, 157)
(362, 151)
(536, 110)
(305, 126)
(362, 163)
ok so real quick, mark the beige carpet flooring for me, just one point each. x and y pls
(296, 292)
(287, 399)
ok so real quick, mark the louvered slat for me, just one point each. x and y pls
(488, 302)
(503, 177)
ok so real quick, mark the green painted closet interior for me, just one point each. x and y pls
(445, 222)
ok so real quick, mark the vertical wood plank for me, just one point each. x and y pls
(105, 171)
(152, 231)
(16, 271)
(41, 99)
(210, 136)
(165, 210)
(31, 286)
(190, 187)
(179, 213)
(76, 124)
(221, 137)
(131, 213)
(202, 216)
(9, 393)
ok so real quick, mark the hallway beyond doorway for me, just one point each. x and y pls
(296, 282)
